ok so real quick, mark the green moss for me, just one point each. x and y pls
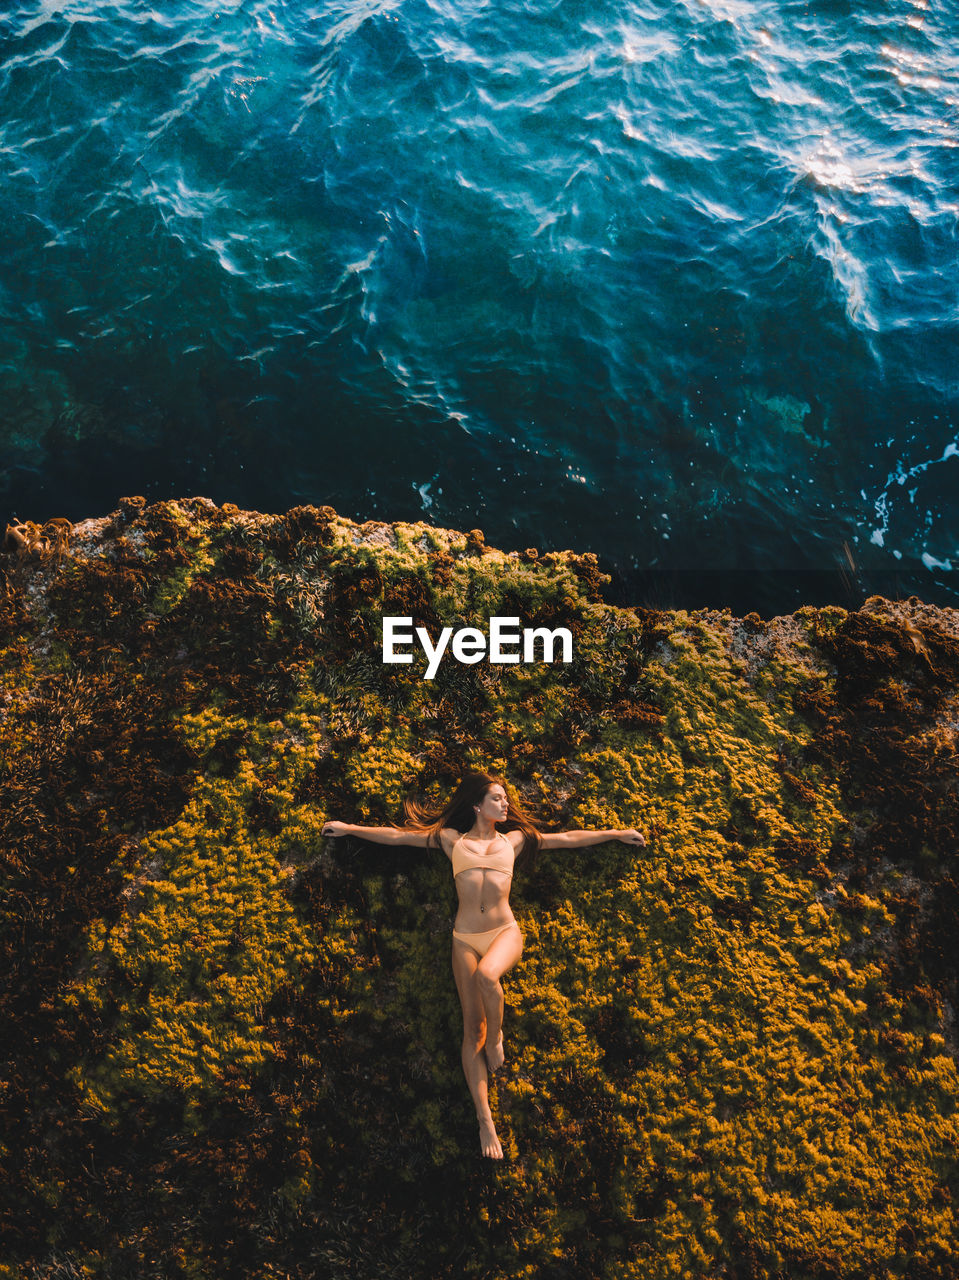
(174, 588)
(731, 1049)
(210, 938)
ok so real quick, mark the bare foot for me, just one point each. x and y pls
(494, 1055)
(488, 1140)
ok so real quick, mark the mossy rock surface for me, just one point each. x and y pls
(232, 1047)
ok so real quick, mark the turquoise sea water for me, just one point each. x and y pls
(674, 281)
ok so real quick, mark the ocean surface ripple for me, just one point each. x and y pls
(672, 281)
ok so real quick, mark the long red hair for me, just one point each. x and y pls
(458, 813)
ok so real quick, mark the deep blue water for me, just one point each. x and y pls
(675, 281)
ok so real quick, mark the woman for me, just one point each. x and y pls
(481, 830)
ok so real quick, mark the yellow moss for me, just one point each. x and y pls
(695, 1031)
(207, 942)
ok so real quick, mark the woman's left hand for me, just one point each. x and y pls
(632, 837)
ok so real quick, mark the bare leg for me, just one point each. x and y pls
(502, 955)
(474, 1034)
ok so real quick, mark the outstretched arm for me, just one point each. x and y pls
(378, 835)
(577, 839)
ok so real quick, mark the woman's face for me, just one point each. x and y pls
(494, 806)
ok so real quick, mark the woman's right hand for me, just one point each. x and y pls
(335, 829)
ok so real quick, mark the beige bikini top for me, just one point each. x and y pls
(463, 860)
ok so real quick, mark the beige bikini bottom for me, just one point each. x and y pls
(482, 942)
